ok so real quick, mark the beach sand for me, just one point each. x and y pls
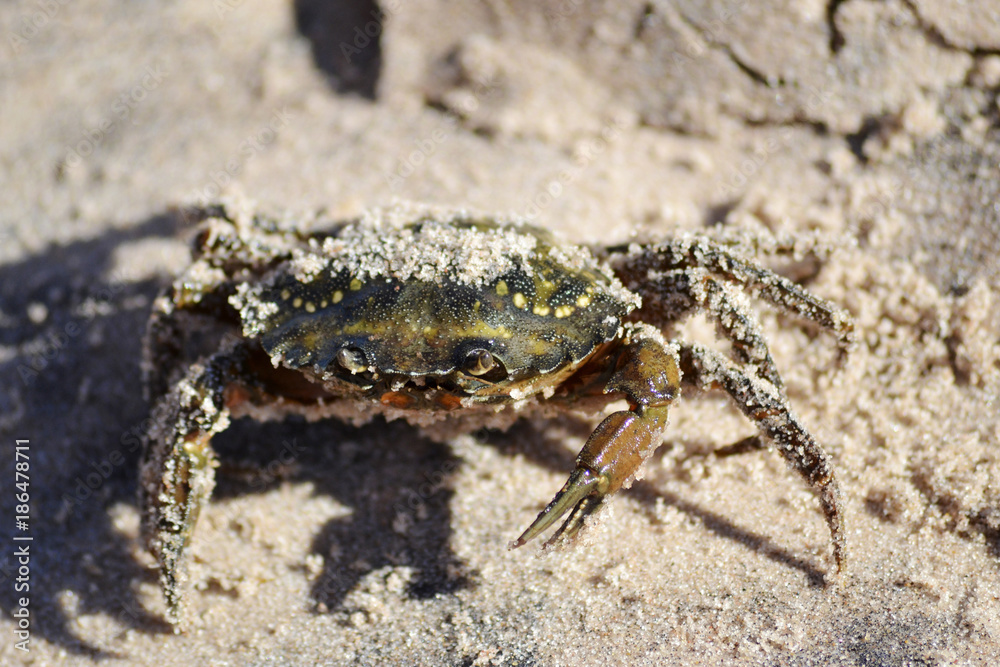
(867, 128)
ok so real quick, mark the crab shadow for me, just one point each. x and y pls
(395, 483)
(345, 36)
(71, 388)
(553, 454)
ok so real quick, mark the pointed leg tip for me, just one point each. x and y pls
(837, 575)
(836, 580)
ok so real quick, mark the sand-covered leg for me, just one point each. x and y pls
(731, 311)
(177, 473)
(647, 373)
(768, 409)
(673, 273)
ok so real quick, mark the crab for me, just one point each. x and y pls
(448, 317)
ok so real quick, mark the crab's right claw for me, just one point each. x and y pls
(607, 462)
(581, 496)
(648, 375)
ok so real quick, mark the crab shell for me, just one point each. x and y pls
(415, 305)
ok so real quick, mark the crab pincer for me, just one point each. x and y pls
(649, 376)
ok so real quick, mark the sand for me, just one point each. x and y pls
(867, 128)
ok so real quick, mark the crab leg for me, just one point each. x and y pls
(768, 409)
(177, 474)
(659, 272)
(743, 331)
(648, 374)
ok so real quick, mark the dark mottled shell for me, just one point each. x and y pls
(541, 313)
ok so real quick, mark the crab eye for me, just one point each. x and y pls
(479, 362)
(352, 359)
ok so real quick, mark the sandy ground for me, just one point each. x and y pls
(871, 126)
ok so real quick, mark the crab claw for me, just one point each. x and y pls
(582, 494)
(607, 462)
(648, 375)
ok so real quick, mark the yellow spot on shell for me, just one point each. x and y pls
(475, 306)
(541, 309)
(520, 301)
(337, 296)
(297, 303)
(583, 301)
(545, 289)
(311, 340)
(324, 303)
(355, 285)
(310, 307)
(502, 288)
(285, 294)
(564, 311)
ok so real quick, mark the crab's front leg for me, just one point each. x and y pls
(648, 373)
(177, 474)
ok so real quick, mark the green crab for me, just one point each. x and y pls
(435, 315)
